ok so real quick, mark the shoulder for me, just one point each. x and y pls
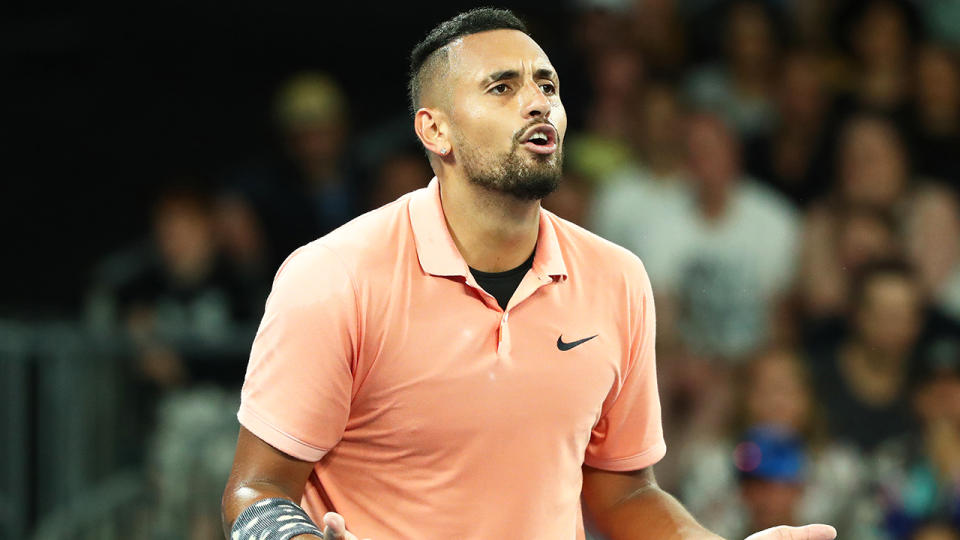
(589, 255)
(764, 203)
(339, 256)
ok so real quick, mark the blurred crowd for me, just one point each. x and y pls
(787, 170)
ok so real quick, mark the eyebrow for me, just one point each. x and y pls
(507, 74)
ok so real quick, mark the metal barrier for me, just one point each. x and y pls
(61, 418)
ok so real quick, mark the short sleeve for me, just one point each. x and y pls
(297, 390)
(629, 434)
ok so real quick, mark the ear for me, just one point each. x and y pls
(431, 128)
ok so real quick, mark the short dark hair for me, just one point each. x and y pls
(426, 53)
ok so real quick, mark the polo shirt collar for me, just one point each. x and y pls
(439, 255)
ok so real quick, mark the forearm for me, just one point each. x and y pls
(649, 513)
(236, 499)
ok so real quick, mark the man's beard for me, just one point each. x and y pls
(511, 174)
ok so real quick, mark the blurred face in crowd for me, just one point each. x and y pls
(398, 175)
(881, 38)
(618, 70)
(777, 392)
(864, 236)
(502, 90)
(183, 229)
(770, 503)
(938, 85)
(936, 532)
(749, 36)
(317, 143)
(801, 93)
(659, 118)
(873, 164)
(712, 154)
(888, 318)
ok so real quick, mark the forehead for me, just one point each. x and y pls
(476, 55)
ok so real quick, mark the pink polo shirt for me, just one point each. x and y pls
(431, 413)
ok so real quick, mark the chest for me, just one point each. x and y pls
(451, 366)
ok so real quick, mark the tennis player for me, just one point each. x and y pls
(460, 363)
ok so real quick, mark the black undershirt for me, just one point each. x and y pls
(502, 285)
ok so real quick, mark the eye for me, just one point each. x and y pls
(500, 89)
(548, 88)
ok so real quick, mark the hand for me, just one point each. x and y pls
(335, 528)
(809, 532)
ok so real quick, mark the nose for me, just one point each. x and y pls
(535, 103)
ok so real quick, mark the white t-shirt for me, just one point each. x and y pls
(722, 273)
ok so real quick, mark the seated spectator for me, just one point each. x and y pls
(741, 88)
(726, 259)
(874, 172)
(794, 156)
(919, 474)
(190, 319)
(773, 464)
(863, 370)
(656, 26)
(189, 315)
(305, 191)
(880, 36)
(603, 146)
(935, 127)
(634, 206)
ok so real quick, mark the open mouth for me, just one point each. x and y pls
(540, 139)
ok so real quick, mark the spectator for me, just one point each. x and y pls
(863, 371)
(776, 449)
(730, 259)
(936, 120)
(794, 156)
(874, 172)
(309, 189)
(635, 205)
(186, 310)
(741, 88)
(881, 35)
(190, 319)
(657, 29)
(603, 147)
(920, 473)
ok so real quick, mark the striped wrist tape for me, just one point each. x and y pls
(273, 519)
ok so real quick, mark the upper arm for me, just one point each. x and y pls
(299, 382)
(629, 434)
(256, 463)
(604, 489)
(260, 471)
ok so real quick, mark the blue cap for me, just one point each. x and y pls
(771, 453)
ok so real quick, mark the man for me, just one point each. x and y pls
(444, 366)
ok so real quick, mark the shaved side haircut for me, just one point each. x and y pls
(429, 57)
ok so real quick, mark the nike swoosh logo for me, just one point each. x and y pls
(567, 346)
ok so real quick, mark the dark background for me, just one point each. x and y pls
(107, 102)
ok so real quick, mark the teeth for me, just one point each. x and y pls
(539, 137)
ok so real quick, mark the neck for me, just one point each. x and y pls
(713, 203)
(493, 231)
(876, 378)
